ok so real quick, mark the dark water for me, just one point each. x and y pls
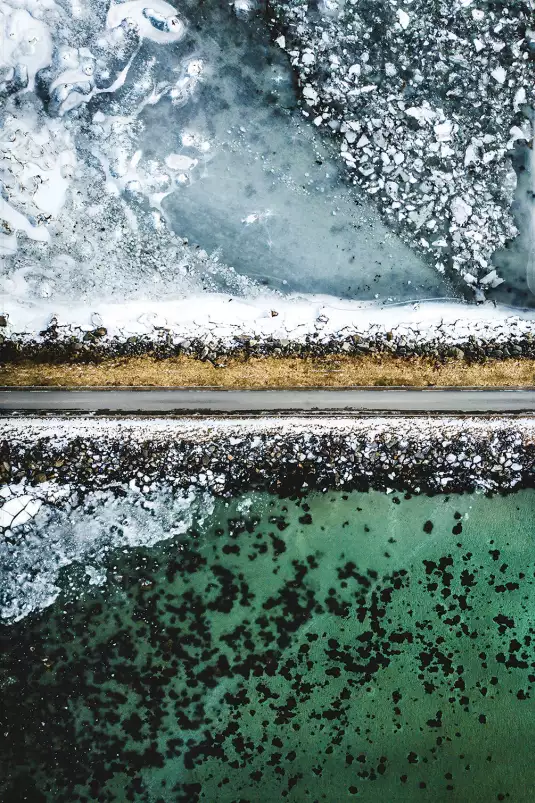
(360, 646)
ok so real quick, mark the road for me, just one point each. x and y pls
(168, 400)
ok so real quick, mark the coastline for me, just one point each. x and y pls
(416, 454)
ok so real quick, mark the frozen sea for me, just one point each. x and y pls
(158, 153)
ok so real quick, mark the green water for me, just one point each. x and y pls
(335, 647)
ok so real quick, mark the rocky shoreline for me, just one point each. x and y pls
(474, 340)
(285, 456)
(75, 490)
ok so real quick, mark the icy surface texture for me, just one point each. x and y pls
(269, 193)
(80, 206)
(146, 149)
(428, 99)
(126, 128)
(517, 260)
(68, 529)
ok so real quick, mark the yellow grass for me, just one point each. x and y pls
(274, 372)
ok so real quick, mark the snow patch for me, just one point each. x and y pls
(155, 19)
(293, 318)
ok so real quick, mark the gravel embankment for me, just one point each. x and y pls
(225, 457)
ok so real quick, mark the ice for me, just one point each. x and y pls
(156, 19)
(404, 18)
(61, 536)
(153, 153)
(517, 262)
(267, 165)
(141, 127)
(18, 510)
(382, 67)
(460, 210)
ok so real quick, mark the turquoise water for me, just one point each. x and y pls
(332, 647)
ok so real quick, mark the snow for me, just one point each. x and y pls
(225, 317)
(155, 19)
(74, 525)
(64, 430)
(26, 40)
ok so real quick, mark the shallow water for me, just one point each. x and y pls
(323, 648)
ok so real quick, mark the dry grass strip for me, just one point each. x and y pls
(274, 372)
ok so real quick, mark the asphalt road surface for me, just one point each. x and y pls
(169, 400)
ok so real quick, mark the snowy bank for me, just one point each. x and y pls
(215, 324)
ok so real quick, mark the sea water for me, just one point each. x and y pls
(327, 647)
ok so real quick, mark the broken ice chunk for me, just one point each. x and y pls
(471, 155)
(499, 75)
(491, 279)
(18, 510)
(310, 95)
(403, 18)
(461, 211)
(443, 131)
(423, 113)
(520, 98)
